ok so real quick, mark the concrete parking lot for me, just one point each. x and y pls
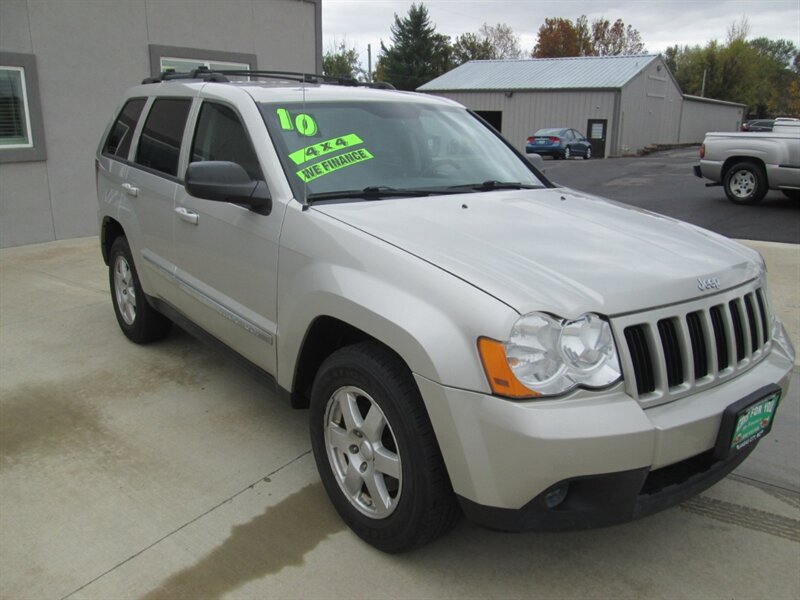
(166, 471)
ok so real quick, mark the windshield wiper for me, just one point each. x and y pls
(493, 184)
(375, 193)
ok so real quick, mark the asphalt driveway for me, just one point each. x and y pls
(664, 182)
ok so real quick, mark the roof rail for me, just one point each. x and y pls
(201, 73)
(222, 76)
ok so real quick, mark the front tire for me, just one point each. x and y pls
(139, 321)
(376, 452)
(588, 154)
(745, 183)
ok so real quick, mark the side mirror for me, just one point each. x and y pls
(536, 160)
(224, 181)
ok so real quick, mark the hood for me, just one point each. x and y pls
(556, 250)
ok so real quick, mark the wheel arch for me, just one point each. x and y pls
(324, 336)
(110, 230)
(732, 160)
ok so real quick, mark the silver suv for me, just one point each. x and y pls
(469, 336)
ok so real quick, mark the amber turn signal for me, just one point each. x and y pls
(501, 379)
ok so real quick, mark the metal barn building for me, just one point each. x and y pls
(65, 64)
(621, 103)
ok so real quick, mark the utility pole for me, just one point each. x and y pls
(703, 90)
(369, 62)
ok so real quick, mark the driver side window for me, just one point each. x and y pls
(220, 135)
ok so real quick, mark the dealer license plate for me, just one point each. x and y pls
(747, 421)
(753, 422)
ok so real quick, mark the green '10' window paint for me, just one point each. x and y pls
(305, 124)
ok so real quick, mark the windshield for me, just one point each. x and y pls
(387, 146)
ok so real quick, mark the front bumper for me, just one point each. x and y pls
(609, 499)
(505, 457)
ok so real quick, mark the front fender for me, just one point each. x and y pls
(426, 315)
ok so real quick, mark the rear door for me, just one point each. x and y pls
(151, 183)
(227, 255)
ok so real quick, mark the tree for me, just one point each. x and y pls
(616, 39)
(342, 61)
(561, 37)
(555, 39)
(469, 46)
(490, 42)
(760, 73)
(502, 39)
(783, 52)
(417, 54)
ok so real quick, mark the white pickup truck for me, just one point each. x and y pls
(747, 165)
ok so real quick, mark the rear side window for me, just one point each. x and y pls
(119, 140)
(220, 135)
(160, 143)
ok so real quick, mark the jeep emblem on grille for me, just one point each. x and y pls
(711, 283)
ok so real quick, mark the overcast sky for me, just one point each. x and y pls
(662, 23)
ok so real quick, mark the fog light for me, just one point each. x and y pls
(556, 496)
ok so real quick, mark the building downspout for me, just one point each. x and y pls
(615, 147)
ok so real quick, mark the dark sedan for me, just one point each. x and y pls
(559, 143)
(758, 125)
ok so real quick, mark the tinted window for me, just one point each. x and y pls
(119, 140)
(160, 144)
(221, 136)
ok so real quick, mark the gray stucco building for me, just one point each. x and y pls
(65, 63)
(621, 103)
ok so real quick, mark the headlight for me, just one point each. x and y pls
(546, 356)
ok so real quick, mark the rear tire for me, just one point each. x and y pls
(376, 451)
(567, 153)
(745, 183)
(139, 321)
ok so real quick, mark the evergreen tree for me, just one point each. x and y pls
(417, 54)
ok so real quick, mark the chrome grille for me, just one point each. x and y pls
(670, 352)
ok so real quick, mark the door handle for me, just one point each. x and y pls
(187, 215)
(130, 190)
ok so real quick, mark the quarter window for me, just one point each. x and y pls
(220, 135)
(160, 143)
(15, 118)
(119, 140)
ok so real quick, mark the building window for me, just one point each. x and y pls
(183, 65)
(15, 116)
(188, 59)
(187, 64)
(21, 131)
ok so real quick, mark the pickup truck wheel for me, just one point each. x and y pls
(745, 183)
(139, 321)
(376, 451)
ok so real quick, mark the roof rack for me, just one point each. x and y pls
(221, 76)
